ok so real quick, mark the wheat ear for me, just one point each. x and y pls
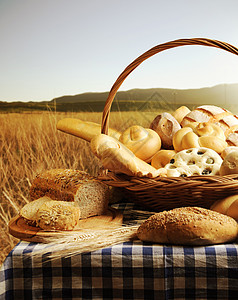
(71, 244)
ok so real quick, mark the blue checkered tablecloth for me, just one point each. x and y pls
(131, 270)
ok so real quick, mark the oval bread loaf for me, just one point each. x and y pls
(188, 226)
(227, 206)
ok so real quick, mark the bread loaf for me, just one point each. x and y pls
(213, 114)
(228, 150)
(117, 158)
(83, 129)
(28, 211)
(194, 161)
(166, 126)
(162, 158)
(143, 142)
(208, 135)
(230, 164)
(227, 206)
(50, 214)
(180, 113)
(188, 226)
(90, 194)
(58, 215)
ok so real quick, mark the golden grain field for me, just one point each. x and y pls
(30, 143)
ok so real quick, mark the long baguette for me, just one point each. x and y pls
(83, 129)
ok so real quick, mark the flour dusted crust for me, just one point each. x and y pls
(218, 115)
(194, 161)
(188, 226)
(58, 215)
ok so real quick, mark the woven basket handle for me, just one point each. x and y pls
(149, 53)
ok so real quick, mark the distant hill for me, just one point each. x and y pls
(224, 95)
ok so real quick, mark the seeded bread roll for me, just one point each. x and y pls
(29, 210)
(188, 226)
(51, 214)
(90, 194)
(57, 215)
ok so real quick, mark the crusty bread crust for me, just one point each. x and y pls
(188, 226)
(83, 129)
(72, 185)
(58, 215)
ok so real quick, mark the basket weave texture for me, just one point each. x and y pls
(163, 192)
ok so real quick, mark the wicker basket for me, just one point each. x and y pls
(167, 193)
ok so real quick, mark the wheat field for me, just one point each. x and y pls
(30, 144)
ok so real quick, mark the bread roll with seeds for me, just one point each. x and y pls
(91, 195)
(194, 161)
(29, 210)
(188, 226)
(58, 215)
(51, 214)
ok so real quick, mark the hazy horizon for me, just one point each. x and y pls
(54, 48)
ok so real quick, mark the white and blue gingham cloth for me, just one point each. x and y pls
(132, 270)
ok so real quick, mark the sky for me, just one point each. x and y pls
(51, 48)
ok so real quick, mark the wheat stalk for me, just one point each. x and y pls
(71, 244)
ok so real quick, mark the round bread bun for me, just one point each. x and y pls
(58, 215)
(194, 161)
(228, 150)
(188, 226)
(227, 206)
(196, 135)
(143, 142)
(230, 164)
(180, 113)
(233, 210)
(162, 158)
(165, 125)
